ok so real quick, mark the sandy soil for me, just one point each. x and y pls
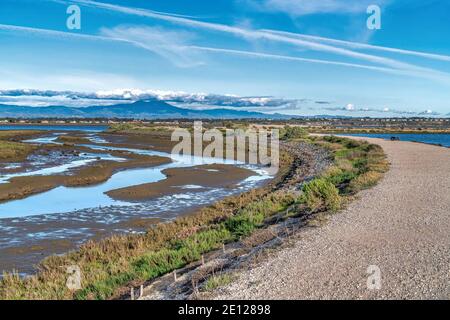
(214, 175)
(401, 226)
(140, 141)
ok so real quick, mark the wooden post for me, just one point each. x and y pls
(223, 247)
(175, 275)
(203, 260)
(132, 293)
(141, 292)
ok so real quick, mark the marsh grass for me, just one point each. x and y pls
(217, 281)
(11, 149)
(14, 151)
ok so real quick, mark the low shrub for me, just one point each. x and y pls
(321, 194)
(337, 176)
(344, 165)
(364, 181)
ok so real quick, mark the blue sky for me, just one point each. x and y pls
(319, 55)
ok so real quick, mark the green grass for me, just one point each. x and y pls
(217, 281)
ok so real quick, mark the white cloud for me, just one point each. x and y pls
(349, 107)
(168, 44)
(56, 100)
(429, 112)
(32, 97)
(306, 7)
(198, 101)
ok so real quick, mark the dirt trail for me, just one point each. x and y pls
(402, 226)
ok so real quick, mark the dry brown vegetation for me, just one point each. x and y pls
(11, 149)
(73, 140)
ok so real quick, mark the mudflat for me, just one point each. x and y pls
(401, 226)
(180, 180)
(21, 187)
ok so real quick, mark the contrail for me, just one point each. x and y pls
(256, 34)
(145, 46)
(358, 45)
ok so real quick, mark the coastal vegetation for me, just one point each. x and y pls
(218, 281)
(393, 130)
(14, 151)
(290, 133)
(10, 147)
(130, 128)
(71, 140)
(109, 266)
(321, 194)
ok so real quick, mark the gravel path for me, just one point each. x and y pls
(401, 226)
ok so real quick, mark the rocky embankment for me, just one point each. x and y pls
(308, 162)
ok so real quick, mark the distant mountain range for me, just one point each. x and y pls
(149, 109)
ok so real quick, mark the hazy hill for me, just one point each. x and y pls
(150, 109)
